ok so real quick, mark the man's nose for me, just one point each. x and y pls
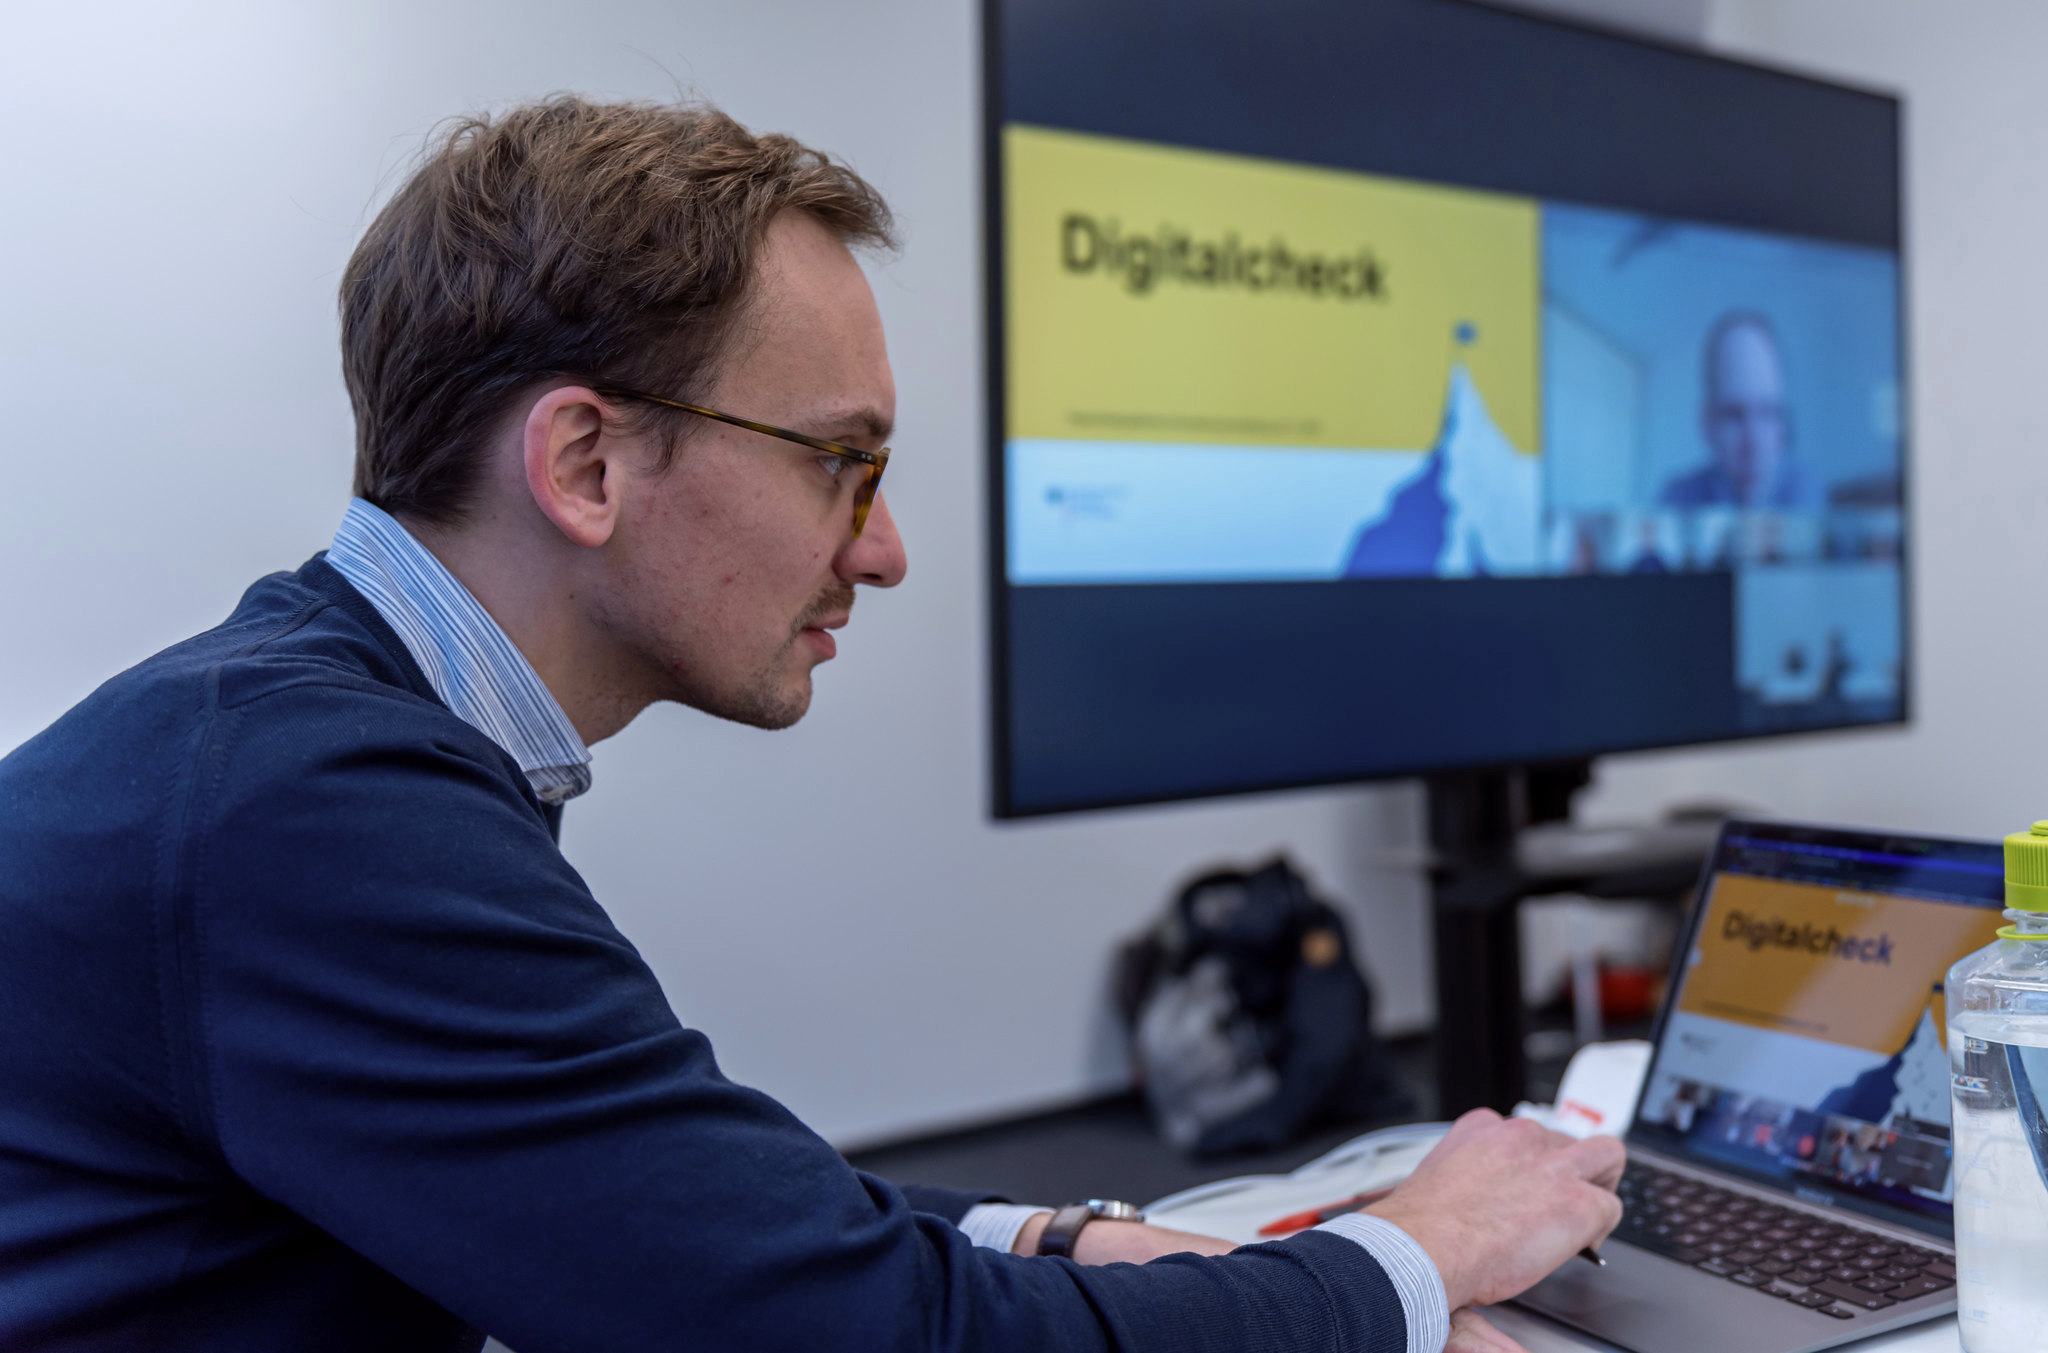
(875, 556)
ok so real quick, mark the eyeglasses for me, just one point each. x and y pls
(876, 461)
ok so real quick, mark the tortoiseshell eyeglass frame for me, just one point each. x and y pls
(876, 461)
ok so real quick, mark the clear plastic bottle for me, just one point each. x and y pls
(1997, 1008)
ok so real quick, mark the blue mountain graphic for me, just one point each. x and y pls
(1869, 1097)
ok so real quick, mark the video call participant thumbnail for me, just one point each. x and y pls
(1747, 424)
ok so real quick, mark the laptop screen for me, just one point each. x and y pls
(1803, 1042)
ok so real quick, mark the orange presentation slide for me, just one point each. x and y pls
(1849, 967)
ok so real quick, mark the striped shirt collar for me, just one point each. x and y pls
(471, 663)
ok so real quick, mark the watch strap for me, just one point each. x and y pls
(1060, 1234)
(1057, 1239)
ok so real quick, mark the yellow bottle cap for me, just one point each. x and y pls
(2026, 869)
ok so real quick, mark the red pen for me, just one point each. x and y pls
(1301, 1221)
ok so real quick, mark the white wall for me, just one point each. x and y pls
(831, 904)
(183, 184)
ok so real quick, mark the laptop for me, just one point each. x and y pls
(1789, 1177)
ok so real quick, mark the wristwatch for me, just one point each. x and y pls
(1059, 1235)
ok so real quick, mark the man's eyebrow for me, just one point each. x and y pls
(861, 422)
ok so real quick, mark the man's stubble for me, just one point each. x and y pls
(767, 699)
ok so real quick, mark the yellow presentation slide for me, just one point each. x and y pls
(1846, 967)
(1162, 294)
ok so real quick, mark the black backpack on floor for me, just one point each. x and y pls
(1250, 1021)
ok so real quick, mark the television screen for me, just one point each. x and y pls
(1396, 386)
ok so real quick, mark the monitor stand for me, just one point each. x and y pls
(1497, 837)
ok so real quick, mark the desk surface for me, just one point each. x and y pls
(1539, 1335)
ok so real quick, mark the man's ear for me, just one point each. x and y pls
(569, 464)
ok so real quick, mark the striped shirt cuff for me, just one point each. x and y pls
(994, 1226)
(1410, 1269)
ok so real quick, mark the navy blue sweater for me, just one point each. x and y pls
(310, 1038)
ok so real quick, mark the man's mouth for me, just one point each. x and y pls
(818, 632)
(828, 611)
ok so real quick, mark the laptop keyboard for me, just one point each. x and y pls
(1825, 1266)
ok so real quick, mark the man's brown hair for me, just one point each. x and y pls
(612, 243)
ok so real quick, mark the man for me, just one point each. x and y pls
(314, 1038)
(1746, 422)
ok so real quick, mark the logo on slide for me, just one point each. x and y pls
(1807, 937)
(1173, 253)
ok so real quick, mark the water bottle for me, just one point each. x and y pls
(1997, 1007)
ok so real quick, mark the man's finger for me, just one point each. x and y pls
(1598, 1211)
(1610, 1213)
(1471, 1121)
(1471, 1334)
(1599, 1160)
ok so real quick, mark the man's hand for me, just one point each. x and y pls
(1501, 1202)
(1122, 1242)
(1470, 1334)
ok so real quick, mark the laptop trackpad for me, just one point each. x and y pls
(1644, 1301)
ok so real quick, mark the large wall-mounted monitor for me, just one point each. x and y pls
(1382, 387)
